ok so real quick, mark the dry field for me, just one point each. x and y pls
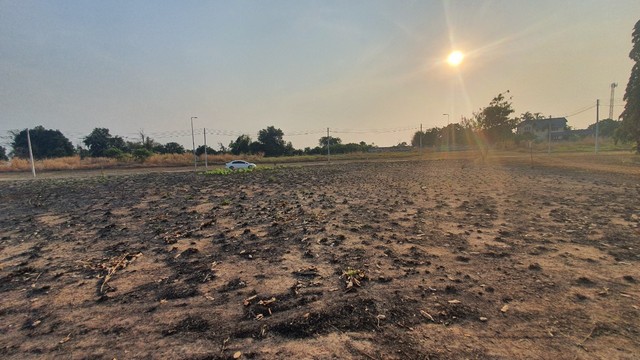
(431, 259)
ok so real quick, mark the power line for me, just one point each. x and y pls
(372, 131)
(580, 111)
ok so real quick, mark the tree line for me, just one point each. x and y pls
(492, 124)
(48, 143)
(495, 124)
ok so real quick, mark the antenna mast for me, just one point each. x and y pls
(613, 90)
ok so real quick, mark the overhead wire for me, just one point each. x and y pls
(580, 111)
(371, 131)
(169, 134)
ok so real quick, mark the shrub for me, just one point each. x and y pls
(114, 153)
(141, 154)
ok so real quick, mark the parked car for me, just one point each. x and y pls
(239, 164)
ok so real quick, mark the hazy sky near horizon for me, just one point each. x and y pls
(372, 70)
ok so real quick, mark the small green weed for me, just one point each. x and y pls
(353, 277)
(225, 171)
(218, 172)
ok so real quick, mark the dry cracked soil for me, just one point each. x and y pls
(384, 260)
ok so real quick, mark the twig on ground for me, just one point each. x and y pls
(588, 336)
(112, 270)
(581, 343)
(404, 326)
(36, 280)
(427, 315)
(224, 345)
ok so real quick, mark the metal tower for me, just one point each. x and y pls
(613, 90)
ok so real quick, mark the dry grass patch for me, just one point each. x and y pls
(170, 160)
(63, 163)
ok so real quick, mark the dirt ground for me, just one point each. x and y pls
(432, 259)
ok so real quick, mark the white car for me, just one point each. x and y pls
(239, 164)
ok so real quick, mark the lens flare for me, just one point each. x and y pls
(455, 58)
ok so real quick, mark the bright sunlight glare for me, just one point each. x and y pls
(455, 58)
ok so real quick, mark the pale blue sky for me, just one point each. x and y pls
(303, 66)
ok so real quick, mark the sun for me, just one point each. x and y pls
(455, 58)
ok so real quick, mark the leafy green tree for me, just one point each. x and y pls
(355, 147)
(272, 141)
(256, 147)
(429, 137)
(606, 127)
(289, 150)
(82, 151)
(457, 135)
(531, 116)
(494, 119)
(3, 154)
(145, 142)
(44, 143)
(159, 149)
(173, 148)
(99, 141)
(242, 145)
(200, 150)
(630, 129)
(336, 149)
(469, 123)
(416, 141)
(332, 141)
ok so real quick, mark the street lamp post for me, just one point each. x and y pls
(193, 140)
(447, 131)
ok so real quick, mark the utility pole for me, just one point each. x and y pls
(549, 140)
(33, 166)
(613, 91)
(193, 139)
(328, 151)
(597, 122)
(204, 131)
(420, 137)
(447, 132)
